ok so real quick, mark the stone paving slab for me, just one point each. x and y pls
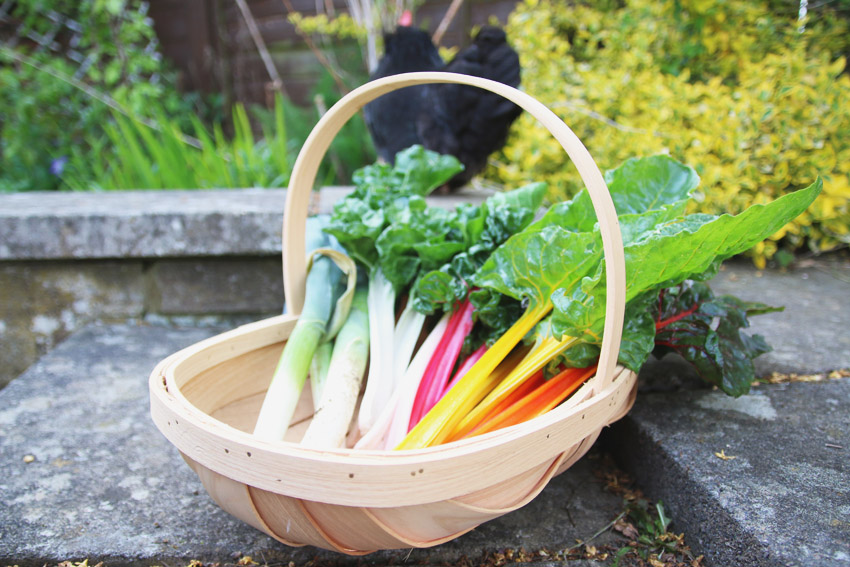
(812, 334)
(783, 496)
(102, 483)
(762, 480)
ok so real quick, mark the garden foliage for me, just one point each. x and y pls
(47, 49)
(735, 89)
(87, 103)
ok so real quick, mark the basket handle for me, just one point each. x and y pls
(313, 151)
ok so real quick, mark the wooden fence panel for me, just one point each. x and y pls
(212, 48)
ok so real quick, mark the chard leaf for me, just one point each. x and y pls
(657, 184)
(580, 355)
(425, 170)
(638, 339)
(485, 228)
(494, 313)
(651, 183)
(707, 332)
(356, 227)
(509, 212)
(672, 253)
(531, 265)
(419, 237)
(385, 195)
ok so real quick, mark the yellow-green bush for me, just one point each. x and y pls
(730, 88)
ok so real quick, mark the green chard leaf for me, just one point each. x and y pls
(653, 190)
(419, 237)
(531, 265)
(424, 169)
(649, 184)
(356, 227)
(494, 314)
(385, 195)
(507, 213)
(637, 340)
(672, 253)
(706, 330)
(484, 228)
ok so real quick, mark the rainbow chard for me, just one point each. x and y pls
(706, 330)
(555, 265)
(686, 248)
(529, 267)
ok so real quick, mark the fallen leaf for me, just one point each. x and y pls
(627, 529)
(722, 455)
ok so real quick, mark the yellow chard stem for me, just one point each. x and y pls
(442, 419)
(536, 359)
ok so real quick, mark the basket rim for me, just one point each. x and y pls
(357, 477)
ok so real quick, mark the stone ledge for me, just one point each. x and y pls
(154, 224)
(67, 259)
(139, 224)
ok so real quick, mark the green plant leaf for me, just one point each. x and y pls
(425, 170)
(657, 184)
(483, 229)
(707, 332)
(531, 265)
(672, 253)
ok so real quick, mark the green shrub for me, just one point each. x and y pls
(732, 89)
(45, 116)
(158, 153)
(133, 155)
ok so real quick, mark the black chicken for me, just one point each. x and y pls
(466, 122)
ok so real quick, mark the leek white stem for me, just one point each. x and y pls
(319, 371)
(324, 270)
(288, 380)
(345, 374)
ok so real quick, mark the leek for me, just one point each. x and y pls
(319, 371)
(322, 301)
(345, 373)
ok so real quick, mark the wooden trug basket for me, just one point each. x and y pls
(205, 400)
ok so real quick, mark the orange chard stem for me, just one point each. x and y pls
(541, 400)
(523, 390)
(539, 356)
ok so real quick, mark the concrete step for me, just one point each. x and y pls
(761, 480)
(87, 475)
